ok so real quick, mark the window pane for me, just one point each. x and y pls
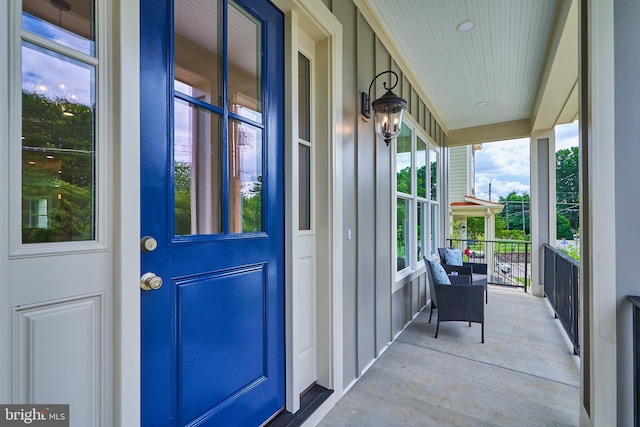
(245, 178)
(403, 247)
(304, 187)
(434, 228)
(197, 171)
(421, 167)
(58, 148)
(403, 161)
(197, 49)
(433, 157)
(304, 98)
(71, 24)
(422, 231)
(245, 63)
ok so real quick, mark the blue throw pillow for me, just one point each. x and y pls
(452, 256)
(439, 275)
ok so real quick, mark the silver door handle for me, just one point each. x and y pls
(150, 282)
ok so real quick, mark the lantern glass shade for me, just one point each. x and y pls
(388, 125)
(388, 110)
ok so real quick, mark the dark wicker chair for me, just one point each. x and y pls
(478, 271)
(460, 301)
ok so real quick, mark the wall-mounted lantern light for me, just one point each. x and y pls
(388, 109)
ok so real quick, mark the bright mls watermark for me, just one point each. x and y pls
(34, 415)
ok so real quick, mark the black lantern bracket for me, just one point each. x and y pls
(365, 97)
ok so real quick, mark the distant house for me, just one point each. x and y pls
(463, 203)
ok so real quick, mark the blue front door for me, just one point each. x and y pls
(212, 198)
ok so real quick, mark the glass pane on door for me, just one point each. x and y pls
(197, 169)
(58, 147)
(245, 178)
(245, 63)
(197, 49)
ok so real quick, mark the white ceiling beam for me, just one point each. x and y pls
(489, 133)
(558, 82)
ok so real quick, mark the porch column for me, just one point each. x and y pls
(490, 236)
(543, 203)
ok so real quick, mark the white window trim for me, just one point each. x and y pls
(103, 145)
(414, 266)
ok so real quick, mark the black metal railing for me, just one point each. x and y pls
(508, 261)
(561, 287)
(635, 300)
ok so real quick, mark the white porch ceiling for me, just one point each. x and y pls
(521, 58)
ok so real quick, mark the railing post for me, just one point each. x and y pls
(526, 265)
(635, 300)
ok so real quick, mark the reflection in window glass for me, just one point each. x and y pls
(197, 54)
(403, 161)
(304, 187)
(421, 167)
(403, 232)
(58, 148)
(69, 23)
(196, 170)
(433, 158)
(422, 230)
(245, 63)
(245, 178)
(434, 228)
(304, 98)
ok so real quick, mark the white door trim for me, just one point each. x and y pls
(126, 214)
(5, 312)
(324, 28)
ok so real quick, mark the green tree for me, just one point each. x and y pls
(475, 227)
(182, 198)
(403, 180)
(58, 170)
(563, 230)
(516, 213)
(252, 209)
(567, 185)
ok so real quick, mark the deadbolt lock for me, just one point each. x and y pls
(148, 244)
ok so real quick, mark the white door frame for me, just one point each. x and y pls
(326, 31)
(126, 219)
(120, 404)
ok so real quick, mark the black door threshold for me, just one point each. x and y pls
(309, 402)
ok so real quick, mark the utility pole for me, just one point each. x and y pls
(507, 206)
(489, 190)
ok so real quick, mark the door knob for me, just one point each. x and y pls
(150, 282)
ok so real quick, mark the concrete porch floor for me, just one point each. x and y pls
(524, 374)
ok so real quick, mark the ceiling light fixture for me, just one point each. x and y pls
(482, 104)
(62, 6)
(465, 26)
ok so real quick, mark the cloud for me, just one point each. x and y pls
(505, 165)
(567, 135)
(499, 187)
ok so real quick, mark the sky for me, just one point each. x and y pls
(505, 164)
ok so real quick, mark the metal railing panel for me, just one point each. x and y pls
(561, 287)
(508, 261)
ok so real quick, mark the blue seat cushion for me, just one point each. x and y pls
(452, 256)
(439, 275)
